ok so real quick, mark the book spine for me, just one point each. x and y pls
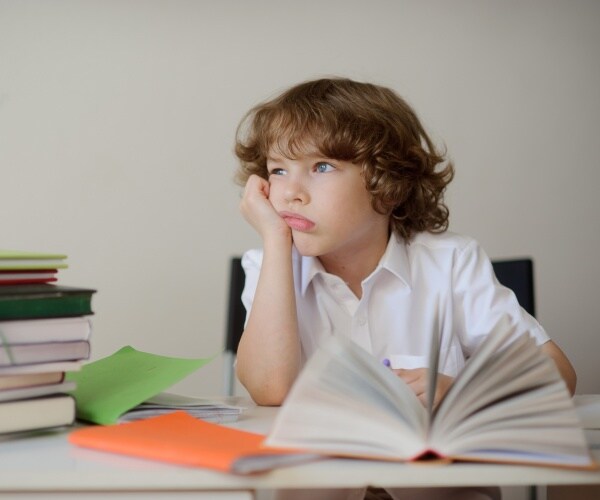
(45, 307)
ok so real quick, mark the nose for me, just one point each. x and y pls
(296, 190)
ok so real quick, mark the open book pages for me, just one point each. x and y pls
(509, 404)
(588, 409)
(210, 410)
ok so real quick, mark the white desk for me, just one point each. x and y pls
(47, 466)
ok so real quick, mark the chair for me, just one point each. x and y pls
(236, 317)
(517, 274)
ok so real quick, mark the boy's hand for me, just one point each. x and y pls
(258, 210)
(416, 379)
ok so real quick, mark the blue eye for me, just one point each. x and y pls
(277, 171)
(324, 167)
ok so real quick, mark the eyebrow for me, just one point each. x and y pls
(312, 155)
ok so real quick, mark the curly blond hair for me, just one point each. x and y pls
(362, 123)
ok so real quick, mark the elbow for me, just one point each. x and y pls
(266, 392)
(268, 398)
(564, 366)
(572, 381)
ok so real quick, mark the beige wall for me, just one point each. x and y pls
(117, 120)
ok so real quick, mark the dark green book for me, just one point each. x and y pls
(44, 301)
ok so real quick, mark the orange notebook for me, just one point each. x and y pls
(182, 439)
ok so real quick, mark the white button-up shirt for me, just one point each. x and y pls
(440, 283)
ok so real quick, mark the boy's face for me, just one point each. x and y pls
(326, 204)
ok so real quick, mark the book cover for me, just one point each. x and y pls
(45, 300)
(36, 413)
(109, 387)
(46, 352)
(16, 259)
(182, 439)
(29, 331)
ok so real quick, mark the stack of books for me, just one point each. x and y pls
(45, 332)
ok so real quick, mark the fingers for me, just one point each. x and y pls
(416, 379)
(254, 200)
(256, 191)
(258, 210)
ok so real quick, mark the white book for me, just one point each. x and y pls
(28, 354)
(45, 330)
(509, 404)
(37, 413)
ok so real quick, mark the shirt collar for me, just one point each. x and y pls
(309, 268)
(394, 260)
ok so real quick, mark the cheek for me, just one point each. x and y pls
(274, 195)
(358, 206)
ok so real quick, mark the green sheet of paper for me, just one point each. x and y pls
(109, 387)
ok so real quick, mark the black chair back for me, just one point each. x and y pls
(236, 312)
(236, 317)
(517, 274)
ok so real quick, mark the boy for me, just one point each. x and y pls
(345, 188)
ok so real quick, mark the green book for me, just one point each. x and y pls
(44, 301)
(111, 386)
(18, 260)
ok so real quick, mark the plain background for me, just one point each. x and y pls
(117, 122)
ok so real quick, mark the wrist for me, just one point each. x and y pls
(278, 241)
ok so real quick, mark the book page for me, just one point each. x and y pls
(510, 404)
(492, 343)
(211, 410)
(434, 361)
(518, 367)
(345, 402)
(588, 409)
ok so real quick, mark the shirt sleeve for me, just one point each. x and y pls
(480, 300)
(251, 262)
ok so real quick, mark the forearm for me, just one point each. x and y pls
(268, 357)
(562, 363)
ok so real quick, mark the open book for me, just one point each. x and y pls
(217, 410)
(509, 404)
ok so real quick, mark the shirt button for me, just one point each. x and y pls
(362, 320)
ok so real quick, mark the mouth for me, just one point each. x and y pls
(297, 222)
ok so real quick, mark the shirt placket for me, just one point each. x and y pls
(357, 312)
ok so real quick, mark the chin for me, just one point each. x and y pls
(305, 252)
(306, 249)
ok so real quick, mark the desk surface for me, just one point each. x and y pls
(47, 462)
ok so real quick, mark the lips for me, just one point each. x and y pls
(297, 222)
